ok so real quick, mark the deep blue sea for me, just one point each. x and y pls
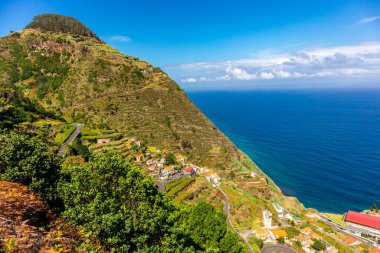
(322, 147)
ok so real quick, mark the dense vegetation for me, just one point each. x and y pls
(16, 109)
(114, 201)
(54, 70)
(29, 161)
(89, 82)
(63, 24)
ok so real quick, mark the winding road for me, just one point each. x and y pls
(226, 210)
(266, 249)
(71, 138)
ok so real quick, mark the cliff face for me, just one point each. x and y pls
(88, 81)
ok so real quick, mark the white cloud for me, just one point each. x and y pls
(239, 74)
(360, 60)
(189, 80)
(121, 38)
(266, 75)
(367, 20)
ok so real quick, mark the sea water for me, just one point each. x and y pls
(321, 146)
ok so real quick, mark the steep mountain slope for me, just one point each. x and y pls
(59, 69)
(88, 81)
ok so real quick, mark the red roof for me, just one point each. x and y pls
(363, 219)
(188, 169)
(350, 240)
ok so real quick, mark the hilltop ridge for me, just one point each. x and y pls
(63, 24)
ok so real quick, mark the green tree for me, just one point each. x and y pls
(292, 232)
(298, 244)
(318, 245)
(59, 23)
(170, 159)
(258, 242)
(374, 207)
(118, 204)
(230, 243)
(77, 148)
(208, 229)
(231, 175)
(29, 161)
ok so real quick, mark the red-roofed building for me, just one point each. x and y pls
(375, 250)
(351, 240)
(363, 221)
(188, 170)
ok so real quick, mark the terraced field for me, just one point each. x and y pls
(124, 146)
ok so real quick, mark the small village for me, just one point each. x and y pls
(307, 238)
(167, 167)
(163, 165)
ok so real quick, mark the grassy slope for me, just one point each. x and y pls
(106, 89)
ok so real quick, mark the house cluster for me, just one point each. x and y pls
(187, 170)
(307, 237)
(269, 233)
(157, 164)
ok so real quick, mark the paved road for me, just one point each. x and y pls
(71, 138)
(226, 210)
(161, 185)
(276, 248)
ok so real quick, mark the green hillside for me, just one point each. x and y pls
(57, 72)
(85, 80)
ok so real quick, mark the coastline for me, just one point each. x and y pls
(309, 143)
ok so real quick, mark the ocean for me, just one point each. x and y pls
(321, 146)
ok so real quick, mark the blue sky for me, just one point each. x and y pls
(220, 44)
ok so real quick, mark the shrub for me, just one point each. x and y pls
(78, 149)
(59, 23)
(208, 229)
(115, 202)
(258, 242)
(318, 245)
(170, 159)
(28, 161)
(292, 232)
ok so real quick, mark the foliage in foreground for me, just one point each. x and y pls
(114, 202)
(29, 161)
